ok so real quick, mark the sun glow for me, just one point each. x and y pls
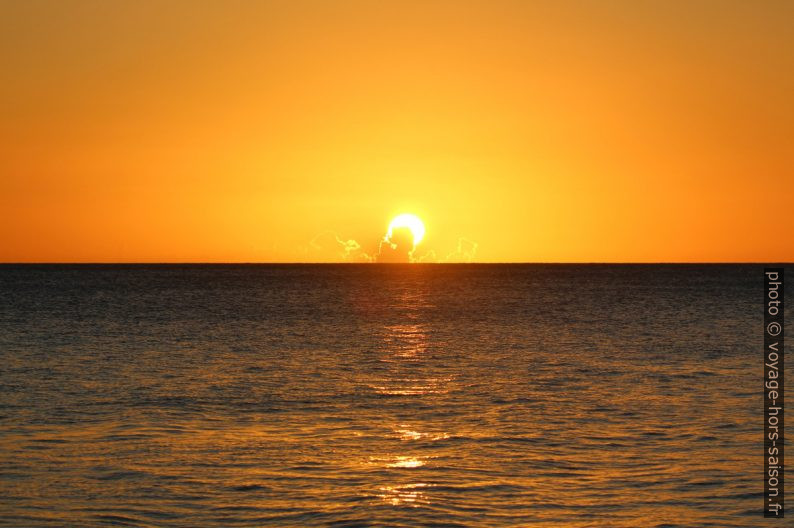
(412, 222)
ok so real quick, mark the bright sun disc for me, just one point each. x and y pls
(412, 222)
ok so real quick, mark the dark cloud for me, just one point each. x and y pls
(330, 247)
(398, 248)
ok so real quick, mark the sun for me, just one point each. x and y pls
(412, 222)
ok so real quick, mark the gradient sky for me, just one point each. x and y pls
(283, 131)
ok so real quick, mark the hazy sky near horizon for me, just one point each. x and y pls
(285, 130)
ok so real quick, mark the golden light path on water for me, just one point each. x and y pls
(405, 344)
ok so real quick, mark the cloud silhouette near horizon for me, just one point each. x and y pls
(328, 246)
(465, 251)
(398, 248)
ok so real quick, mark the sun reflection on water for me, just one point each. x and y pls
(399, 461)
(412, 386)
(406, 462)
(408, 370)
(403, 432)
(407, 495)
(405, 342)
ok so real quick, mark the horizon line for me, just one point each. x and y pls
(306, 263)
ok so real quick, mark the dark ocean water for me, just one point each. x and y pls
(381, 395)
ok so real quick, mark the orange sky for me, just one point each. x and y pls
(518, 131)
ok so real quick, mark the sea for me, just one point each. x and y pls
(382, 395)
